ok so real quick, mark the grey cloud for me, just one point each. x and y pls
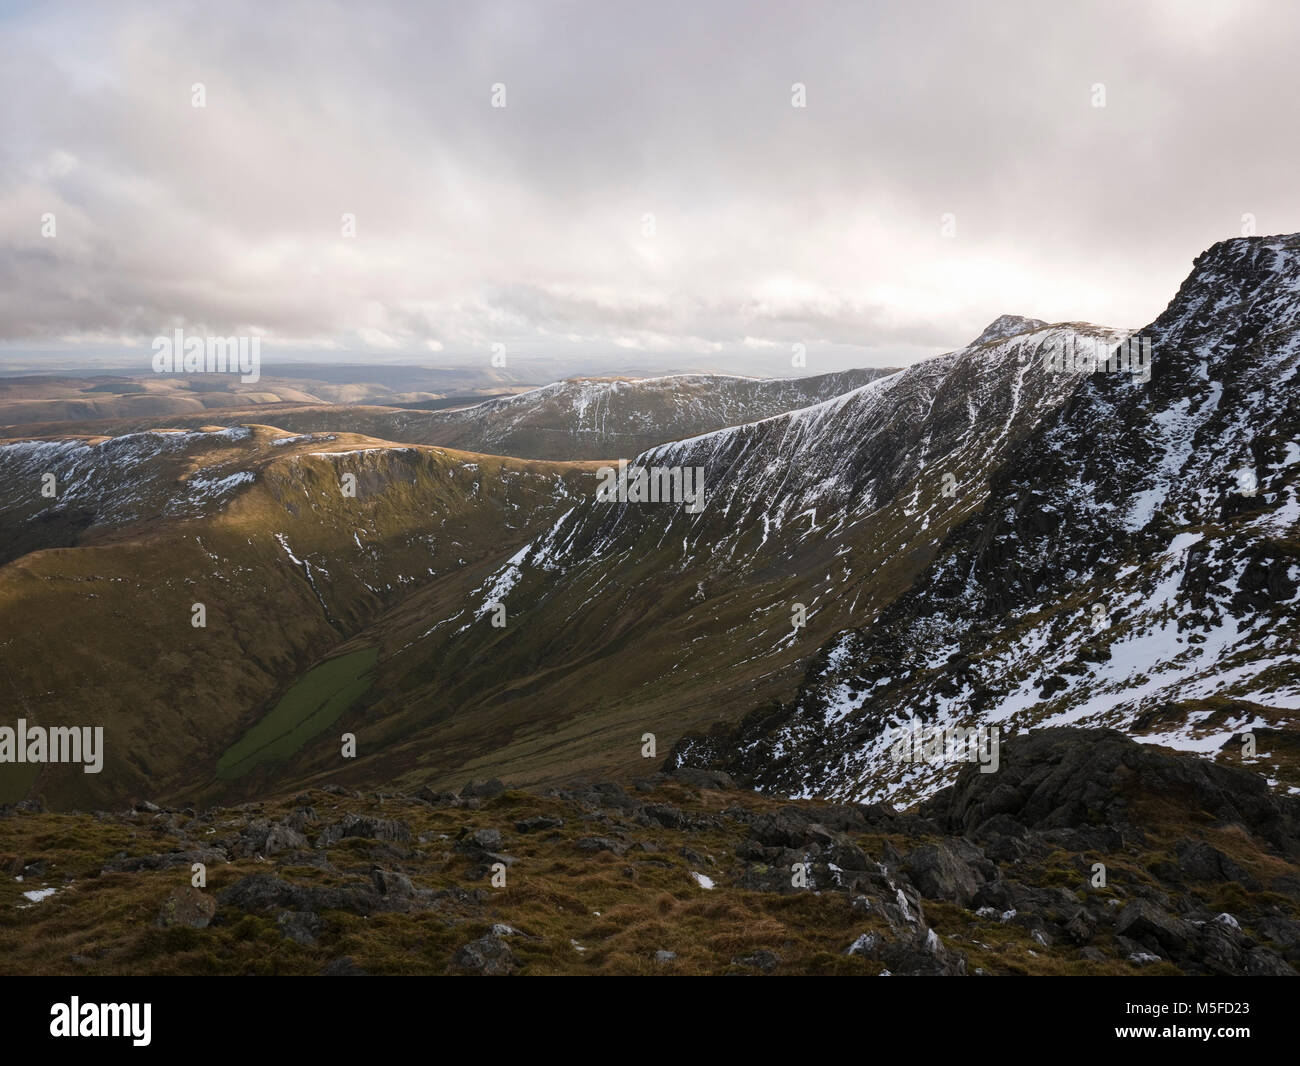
(525, 224)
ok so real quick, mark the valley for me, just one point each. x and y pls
(885, 554)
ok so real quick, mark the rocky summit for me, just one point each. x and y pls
(1087, 853)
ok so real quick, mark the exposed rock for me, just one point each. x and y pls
(537, 823)
(939, 873)
(1065, 777)
(353, 825)
(438, 799)
(263, 892)
(601, 844)
(302, 927)
(714, 779)
(282, 838)
(763, 961)
(488, 956)
(1263, 963)
(1199, 861)
(167, 861)
(187, 906)
(1141, 920)
(389, 883)
(482, 840)
(786, 827)
(664, 814)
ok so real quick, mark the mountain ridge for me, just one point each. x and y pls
(1124, 489)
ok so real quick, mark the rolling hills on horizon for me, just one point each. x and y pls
(578, 418)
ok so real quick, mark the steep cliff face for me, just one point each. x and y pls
(1135, 564)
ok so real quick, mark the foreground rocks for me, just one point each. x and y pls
(1086, 853)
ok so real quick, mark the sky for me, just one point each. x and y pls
(648, 197)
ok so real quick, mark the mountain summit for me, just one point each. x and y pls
(1005, 326)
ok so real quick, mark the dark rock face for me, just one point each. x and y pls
(1076, 778)
(283, 838)
(1122, 493)
(940, 873)
(168, 861)
(1070, 789)
(787, 828)
(716, 779)
(1200, 861)
(1144, 921)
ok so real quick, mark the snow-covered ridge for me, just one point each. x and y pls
(120, 479)
(599, 418)
(780, 485)
(1125, 569)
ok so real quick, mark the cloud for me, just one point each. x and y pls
(527, 225)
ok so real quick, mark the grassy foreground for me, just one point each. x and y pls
(680, 874)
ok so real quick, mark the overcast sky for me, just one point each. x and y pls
(527, 225)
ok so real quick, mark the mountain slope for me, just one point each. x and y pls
(624, 619)
(598, 418)
(288, 568)
(1136, 564)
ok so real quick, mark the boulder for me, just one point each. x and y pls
(389, 883)
(714, 779)
(601, 844)
(188, 906)
(354, 825)
(488, 956)
(1142, 920)
(939, 872)
(282, 838)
